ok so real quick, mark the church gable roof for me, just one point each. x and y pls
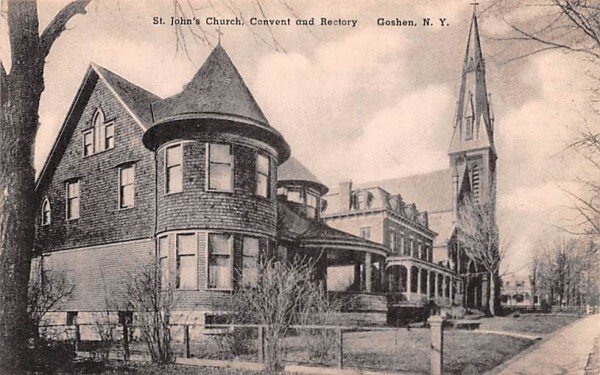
(217, 88)
(133, 98)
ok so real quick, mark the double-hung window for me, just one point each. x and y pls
(220, 167)
(126, 186)
(365, 232)
(72, 200)
(393, 245)
(187, 266)
(163, 261)
(174, 169)
(219, 261)
(88, 142)
(109, 136)
(250, 254)
(263, 173)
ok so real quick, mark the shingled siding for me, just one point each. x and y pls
(197, 208)
(100, 221)
(99, 273)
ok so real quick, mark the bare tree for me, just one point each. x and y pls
(285, 294)
(572, 27)
(46, 292)
(568, 271)
(152, 301)
(478, 233)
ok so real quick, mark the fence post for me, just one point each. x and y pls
(436, 355)
(186, 341)
(261, 343)
(340, 342)
(125, 341)
(77, 337)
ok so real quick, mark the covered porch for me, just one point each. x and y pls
(412, 281)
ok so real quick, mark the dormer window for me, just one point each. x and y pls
(100, 137)
(46, 212)
(362, 200)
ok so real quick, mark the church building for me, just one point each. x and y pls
(201, 184)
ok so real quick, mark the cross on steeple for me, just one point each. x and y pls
(219, 33)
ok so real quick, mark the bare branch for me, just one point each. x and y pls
(58, 25)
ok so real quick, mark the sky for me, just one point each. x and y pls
(355, 103)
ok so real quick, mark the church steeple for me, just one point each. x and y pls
(472, 147)
(473, 127)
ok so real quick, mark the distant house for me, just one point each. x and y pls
(201, 185)
(516, 292)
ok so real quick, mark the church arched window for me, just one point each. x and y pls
(46, 212)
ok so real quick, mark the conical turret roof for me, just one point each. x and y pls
(215, 100)
(217, 88)
(294, 171)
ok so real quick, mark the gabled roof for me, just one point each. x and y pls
(294, 171)
(134, 99)
(217, 88)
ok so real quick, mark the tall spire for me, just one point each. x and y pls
(473, 127)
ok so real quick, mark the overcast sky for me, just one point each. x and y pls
(359, 103)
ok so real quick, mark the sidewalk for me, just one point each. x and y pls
(565, 352)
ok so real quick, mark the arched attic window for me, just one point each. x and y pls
(100, 137)
(46, 212)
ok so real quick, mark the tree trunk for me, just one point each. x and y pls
(17, 214)
(492, 294)
(19, 104)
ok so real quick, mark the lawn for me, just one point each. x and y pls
(527, 323)
(406, 350)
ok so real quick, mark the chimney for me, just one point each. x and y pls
(345, 194)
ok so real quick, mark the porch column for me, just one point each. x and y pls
(408, 281)
(382, 275)
(368, 273)
(419, 274)
(428, 284)
(437, 287)
(444, 286)
(357, 278)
